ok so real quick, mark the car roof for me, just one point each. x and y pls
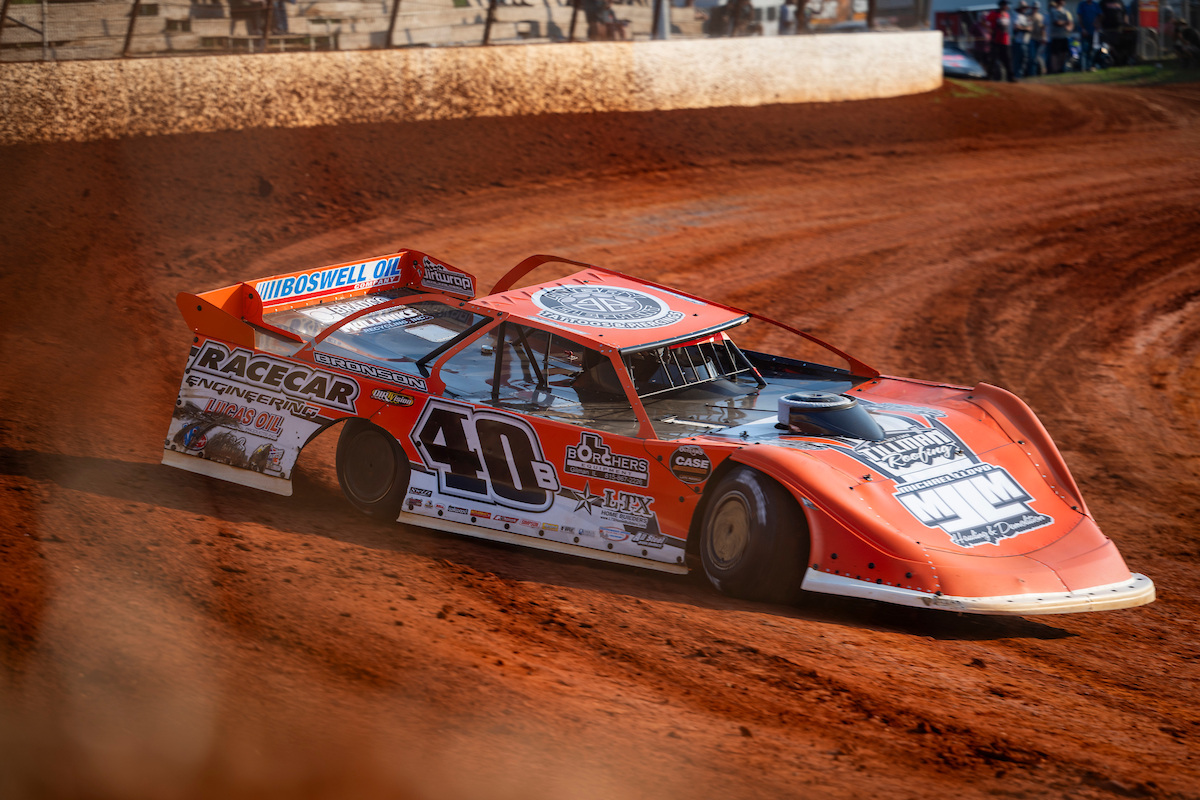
(612, 310)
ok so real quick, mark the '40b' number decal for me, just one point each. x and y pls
(485, 455)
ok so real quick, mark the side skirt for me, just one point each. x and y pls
(438, 523)
(246, 477)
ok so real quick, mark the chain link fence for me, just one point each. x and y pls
(53, 30)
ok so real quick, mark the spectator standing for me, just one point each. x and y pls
(1085, 15)
(1022, 34)
(591, 14)
(1000, 23)
(1036, 61)
(1061, 25)
(279, 16)
(787, 18)
(611, 28)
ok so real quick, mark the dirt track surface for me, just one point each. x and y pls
(164, 635)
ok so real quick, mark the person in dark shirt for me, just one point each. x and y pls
(1000, 24)
(1061, 25)
(1085, 17)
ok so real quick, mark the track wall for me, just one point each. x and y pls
(81, 101)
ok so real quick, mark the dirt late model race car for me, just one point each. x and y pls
(613, 418)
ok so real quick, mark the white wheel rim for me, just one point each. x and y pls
(730, 532)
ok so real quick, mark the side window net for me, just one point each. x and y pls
(668, 369)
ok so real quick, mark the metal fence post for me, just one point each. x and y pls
(487, 26)
(3, 16)
(133, 15)
(268, 19)
(660, 28)
(574, 16)
(392, 23)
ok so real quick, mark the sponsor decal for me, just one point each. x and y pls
(264, 423)
(394, 398)
(568, 529)
(297, 408)
(945, 485)
(456, 510)
(370, 371)
(614, 534)
(531, 523)
(227, 447)
(484, 455)
(627, 508)
(420, 492)
(331, 280)
(646, 539)
(592, 458)
(690, 464)
(441, 278)
(481, 514)
(500, 518)
(604, 307)
(369, 323)
(981, 505)
(267, 458)
(549, 526)
(297, 380)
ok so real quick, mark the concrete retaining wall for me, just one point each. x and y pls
(81, 101)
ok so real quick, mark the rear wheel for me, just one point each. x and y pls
(754, 538)
(372, 469)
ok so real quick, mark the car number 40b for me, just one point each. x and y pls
(485, 455)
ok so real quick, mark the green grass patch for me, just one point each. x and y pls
(961, 88)
(1140, 75)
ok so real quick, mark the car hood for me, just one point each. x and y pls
(951, 474)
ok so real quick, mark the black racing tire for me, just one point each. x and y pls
(754, 540)
(372, 469)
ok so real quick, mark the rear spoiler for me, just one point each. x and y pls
(232, 313)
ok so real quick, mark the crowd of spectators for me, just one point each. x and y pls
(1027, 41)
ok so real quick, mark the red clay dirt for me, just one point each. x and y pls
(164, 635)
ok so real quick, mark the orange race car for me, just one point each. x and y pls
(613, 418)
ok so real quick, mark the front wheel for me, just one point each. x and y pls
(372, 469)
(754, 539)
